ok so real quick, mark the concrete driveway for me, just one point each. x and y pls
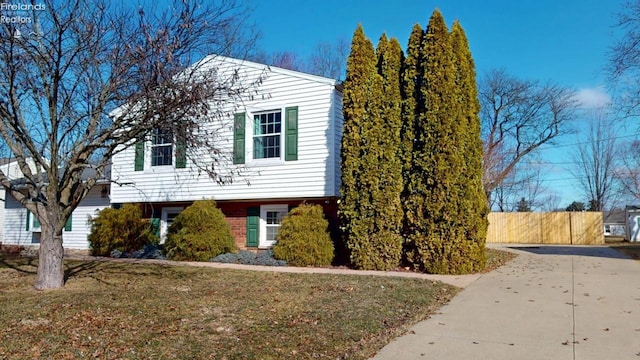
(552, 302)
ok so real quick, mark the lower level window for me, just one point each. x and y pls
(167, 216)
(270, 219)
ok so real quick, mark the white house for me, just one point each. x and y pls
(287, 137)
(23, 229)
(11, 169)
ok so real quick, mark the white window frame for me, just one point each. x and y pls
(32, 224)
(249, 139)
(263, 243)
(164, 215)
(154, 146)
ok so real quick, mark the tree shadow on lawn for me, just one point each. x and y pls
(26, 265)
(29, 265)
(81, 269)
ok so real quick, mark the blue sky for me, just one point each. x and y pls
(564, 41)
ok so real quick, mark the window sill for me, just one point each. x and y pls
(160, 169)
(266, 162)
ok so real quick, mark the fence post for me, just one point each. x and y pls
(571, 228)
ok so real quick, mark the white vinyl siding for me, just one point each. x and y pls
(312, 175)
(12, 171)
(15, 232)
(337, 138)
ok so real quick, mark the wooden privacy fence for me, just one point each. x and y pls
(579, 228)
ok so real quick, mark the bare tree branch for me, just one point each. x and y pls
(624, 60)
(518, 117)
(627, 173)
(327, 59)
(69, 69)
(595, 162)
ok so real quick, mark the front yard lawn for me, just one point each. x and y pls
(111, 310)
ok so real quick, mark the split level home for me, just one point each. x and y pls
(284, 138)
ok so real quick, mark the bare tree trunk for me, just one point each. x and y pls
(50, 267)
(66, 72)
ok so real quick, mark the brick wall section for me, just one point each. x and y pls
(237, 218)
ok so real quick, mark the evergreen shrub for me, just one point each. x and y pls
(303, 238)
(121, 229)
(200, 232)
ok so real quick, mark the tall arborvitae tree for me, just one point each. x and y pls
(412, 101)
(384, 139)
(362, 112)
(412, 105)
(434, 200)
(411, 141)
(474, 202)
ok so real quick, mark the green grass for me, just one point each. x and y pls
(111, 310)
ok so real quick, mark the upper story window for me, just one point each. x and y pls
(161, 147)
(274, 136)
(267, 127)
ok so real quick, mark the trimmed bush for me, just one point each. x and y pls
(199, 233)
(121, 229)
(303, 238)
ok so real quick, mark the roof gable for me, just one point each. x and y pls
(274, 69)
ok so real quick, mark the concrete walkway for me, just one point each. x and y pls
(552, 302)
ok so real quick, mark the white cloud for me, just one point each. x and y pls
(593, 98)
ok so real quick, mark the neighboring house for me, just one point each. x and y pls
(21, 227)
(287, 137)
(614, 223)
(11, 169)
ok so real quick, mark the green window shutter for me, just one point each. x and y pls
(155, 225)
(36, 222)
(181, 153)
(139, 162)
(67, 226)
(28, 220)
(253, 226)
(238, 138)
(291, 133)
